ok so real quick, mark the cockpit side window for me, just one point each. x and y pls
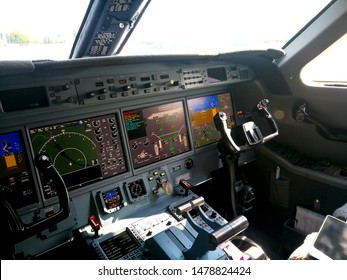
(329, 67)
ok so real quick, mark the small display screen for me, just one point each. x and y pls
(21, 99)
(83, 151)
(156, 133)
(15, 179)
(136, 190)
(112, 198)
(119, 246)
(201, 113)
(216, 75)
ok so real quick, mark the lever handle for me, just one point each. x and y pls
(185, 185)
(228, 231)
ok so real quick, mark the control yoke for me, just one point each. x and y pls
(251, 131)
(19, 230)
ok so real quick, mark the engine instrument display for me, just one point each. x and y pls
(156, 133)
(136, 190)
(83, 151)
(15, 180)
(201, 113)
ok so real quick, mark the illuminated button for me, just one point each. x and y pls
(162, 174)
(150, 178)
(155, 173)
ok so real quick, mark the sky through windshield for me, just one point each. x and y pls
(44, 29)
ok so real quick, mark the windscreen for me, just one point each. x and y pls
(42, 29)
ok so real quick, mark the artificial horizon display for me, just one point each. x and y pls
(201, 113)
(15, 177)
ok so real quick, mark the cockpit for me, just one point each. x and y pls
(160, 155)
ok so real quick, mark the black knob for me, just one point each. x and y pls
(148, 85)
(43, 160)
(173, 83)
(188, 163)
(102, 91)
(126, 88)
(90, 95)
(70, 100)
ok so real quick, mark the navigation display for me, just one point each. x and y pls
(156, 133)
(201, 113)
(15, 180)
(83, 151)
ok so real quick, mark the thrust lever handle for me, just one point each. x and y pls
(228, 231)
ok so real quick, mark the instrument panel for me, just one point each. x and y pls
(131, 122)
(121, 135)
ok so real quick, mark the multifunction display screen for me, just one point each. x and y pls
(201, 113)
(156, 133)
(83, 151)
(15, 179)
